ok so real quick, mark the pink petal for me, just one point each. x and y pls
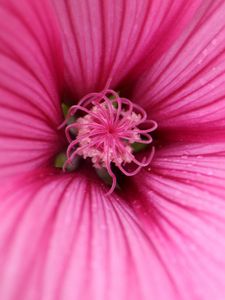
(181, 202)
(30, 75)
(105, 39)
(61, 238)
(185, 89)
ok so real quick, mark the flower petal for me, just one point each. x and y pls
(30, 75)
(105, 39)
(167, 232)
(185, 193)
(62, 239)
(185, 88)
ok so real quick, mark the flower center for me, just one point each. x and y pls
(105, 129)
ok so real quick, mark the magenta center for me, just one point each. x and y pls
(105, 130)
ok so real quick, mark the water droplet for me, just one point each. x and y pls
(205, 52)
(209, 172)
(214, 42)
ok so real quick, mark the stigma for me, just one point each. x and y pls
(105, 129)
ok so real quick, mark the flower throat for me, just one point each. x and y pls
(108, 129)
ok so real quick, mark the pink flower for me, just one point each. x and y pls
(160, 234)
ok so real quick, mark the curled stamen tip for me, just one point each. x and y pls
(111, 190)
(155, 125)
(63, 124)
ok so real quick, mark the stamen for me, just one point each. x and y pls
(106, 130)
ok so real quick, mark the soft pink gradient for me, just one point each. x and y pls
(162, 236)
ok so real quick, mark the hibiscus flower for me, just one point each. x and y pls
(79, 233)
